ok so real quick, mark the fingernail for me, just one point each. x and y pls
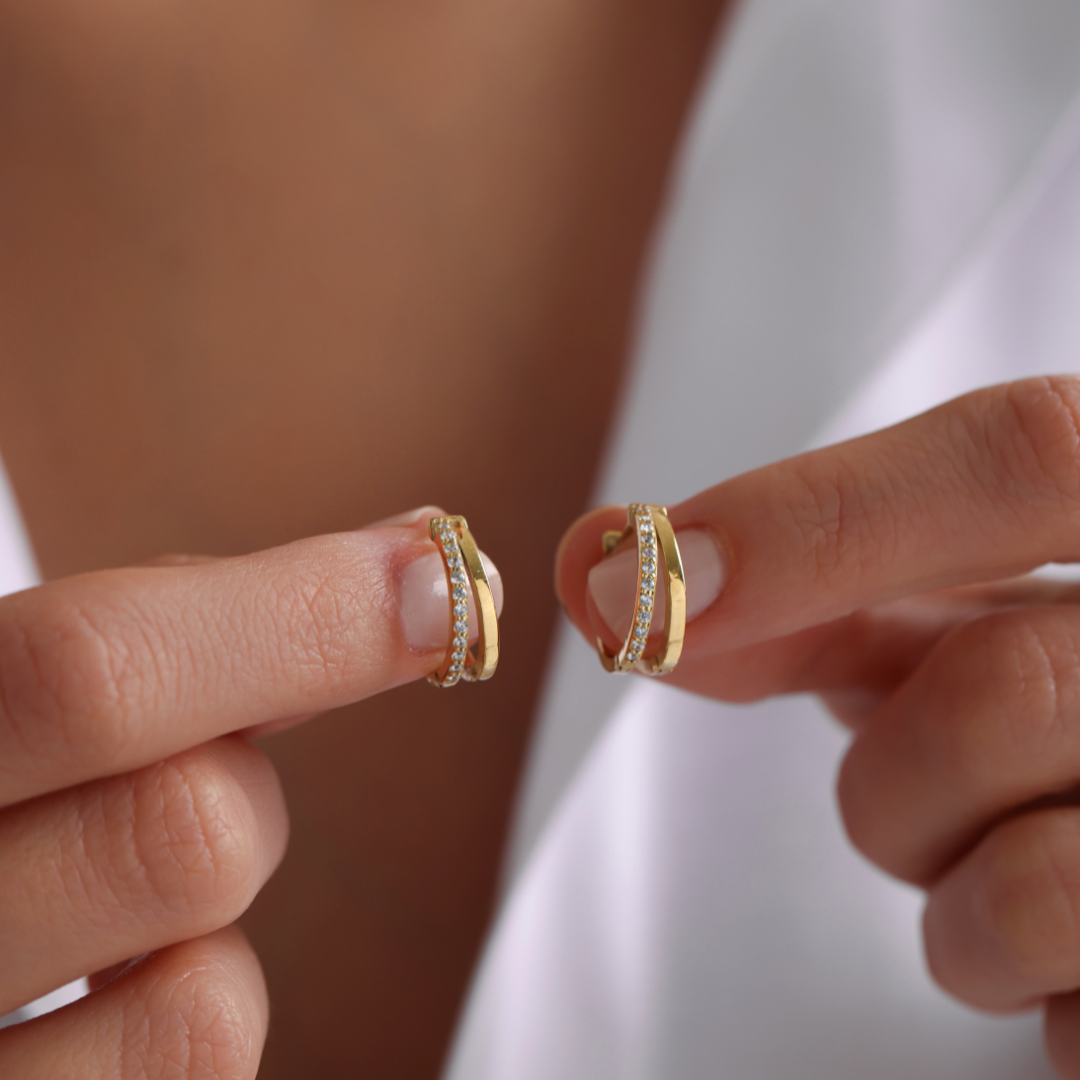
(613, 582)
(425, 601)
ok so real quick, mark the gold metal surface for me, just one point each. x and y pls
(481, 666)
(669, 562)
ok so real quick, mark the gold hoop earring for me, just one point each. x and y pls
(465, 569)
(658, 553)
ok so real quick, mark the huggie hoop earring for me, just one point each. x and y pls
(464, 569)
(655, 537)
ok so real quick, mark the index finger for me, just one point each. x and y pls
(108, 671)
(984, 487)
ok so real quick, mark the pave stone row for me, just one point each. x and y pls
(459, 598)
(646, 538)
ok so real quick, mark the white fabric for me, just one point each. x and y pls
(878, 208)
(18, 570)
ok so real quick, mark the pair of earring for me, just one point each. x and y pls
(658, 553)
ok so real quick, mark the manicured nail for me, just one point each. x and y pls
(425, 601)
(613, 582)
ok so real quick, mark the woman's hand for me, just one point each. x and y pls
(135, 821)
(881, 574)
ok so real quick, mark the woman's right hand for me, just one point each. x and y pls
(883, 574)
(135, 820)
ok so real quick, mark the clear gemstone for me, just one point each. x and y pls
(460, 593)
(461, 610)
(460, 642)
(458, 577)
(646, 600)
(455, 669)
(644, 617)
(461, 626)
(648, 567)
(459, 656)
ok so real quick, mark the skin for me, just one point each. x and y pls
(256, 261)
(882, 574)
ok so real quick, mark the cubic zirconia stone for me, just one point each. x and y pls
(644, 617)
(460, 593)
(455, 669)
(458, 577)
(461, 642)
(461, 626)
(648, 567)
(459, 656)
(461, 611)
(646, 600)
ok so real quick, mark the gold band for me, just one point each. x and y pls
(657, 548)
(464, 568)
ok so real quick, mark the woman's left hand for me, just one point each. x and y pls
(882, 575)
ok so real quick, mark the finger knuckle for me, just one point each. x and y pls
(1005, 684)
(833, 513)
(64, 679)
(1034, 432)
(191, 1024)
(191, 844)
(1029, 906)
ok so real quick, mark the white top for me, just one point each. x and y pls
(18, 570)
(878, 208)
